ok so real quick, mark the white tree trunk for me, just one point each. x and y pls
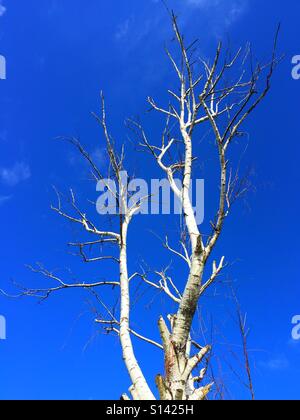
(140, 389)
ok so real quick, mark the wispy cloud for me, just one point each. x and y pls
(4, 199)
(197, 3)
(99, 156)
(215, 3)
(19, 172)
(230, 10)
(294, 344)
(3, 136)
(214, 16)
(123, 29)
(2, 8)
(276, 364)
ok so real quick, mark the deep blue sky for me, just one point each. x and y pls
(59, 55)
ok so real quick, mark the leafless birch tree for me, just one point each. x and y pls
(219, 96)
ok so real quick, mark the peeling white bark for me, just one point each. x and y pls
(178, 382)
(140, 389)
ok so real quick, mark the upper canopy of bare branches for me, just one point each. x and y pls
(220, 94)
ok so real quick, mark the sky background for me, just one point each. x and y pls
(60, 54)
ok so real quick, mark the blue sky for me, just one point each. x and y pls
(59, 56)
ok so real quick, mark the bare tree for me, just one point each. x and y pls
(218, 96)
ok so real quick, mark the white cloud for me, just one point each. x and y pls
(276, 364)
(99, 156)
(294, 345)
(213, 3)
(197, 3)
(123, 29)
(4, 199)
(230, 10)
(2, 9)
(215, 17)
(3, 136)
(19, 172)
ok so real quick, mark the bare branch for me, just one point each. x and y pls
(141, 337)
